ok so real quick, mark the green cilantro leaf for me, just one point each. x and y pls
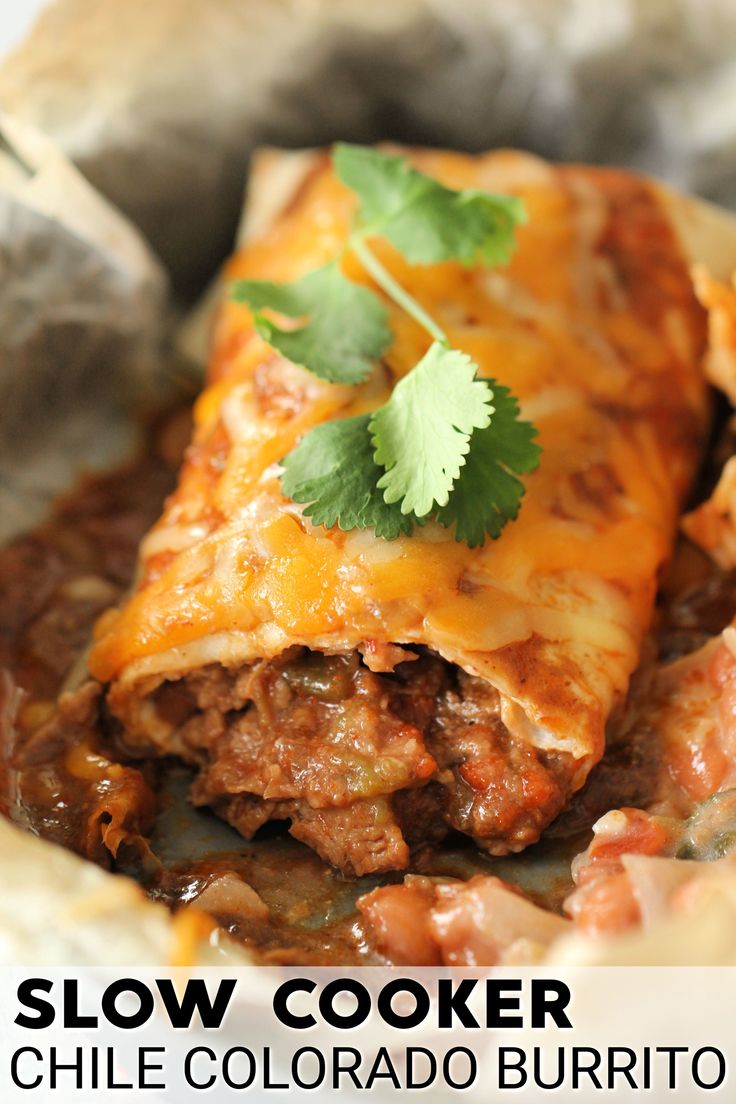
(426, 221)
(333, 471)
(346, 328)
(446, 444)
(487, 494)
(422, 434)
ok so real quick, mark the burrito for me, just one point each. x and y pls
(378, 694)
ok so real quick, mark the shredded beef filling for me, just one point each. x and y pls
(363, 764)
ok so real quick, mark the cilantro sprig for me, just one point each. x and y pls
(423, 219)
(447, 444)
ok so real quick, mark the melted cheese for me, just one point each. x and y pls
(593, 325)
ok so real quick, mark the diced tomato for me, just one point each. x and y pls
(722, 667)
(642, 835)
(399, 917)
(606, 905)
(481, 774)
(538, 788)
(699, 767)
(604, 900)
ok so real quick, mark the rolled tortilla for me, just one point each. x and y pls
(467, 688)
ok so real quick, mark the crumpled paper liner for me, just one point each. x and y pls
(160, 103)
(81, 321)
(75, 912)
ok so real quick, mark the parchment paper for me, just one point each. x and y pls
(82, 309)
(159, 102)
(158, 105)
